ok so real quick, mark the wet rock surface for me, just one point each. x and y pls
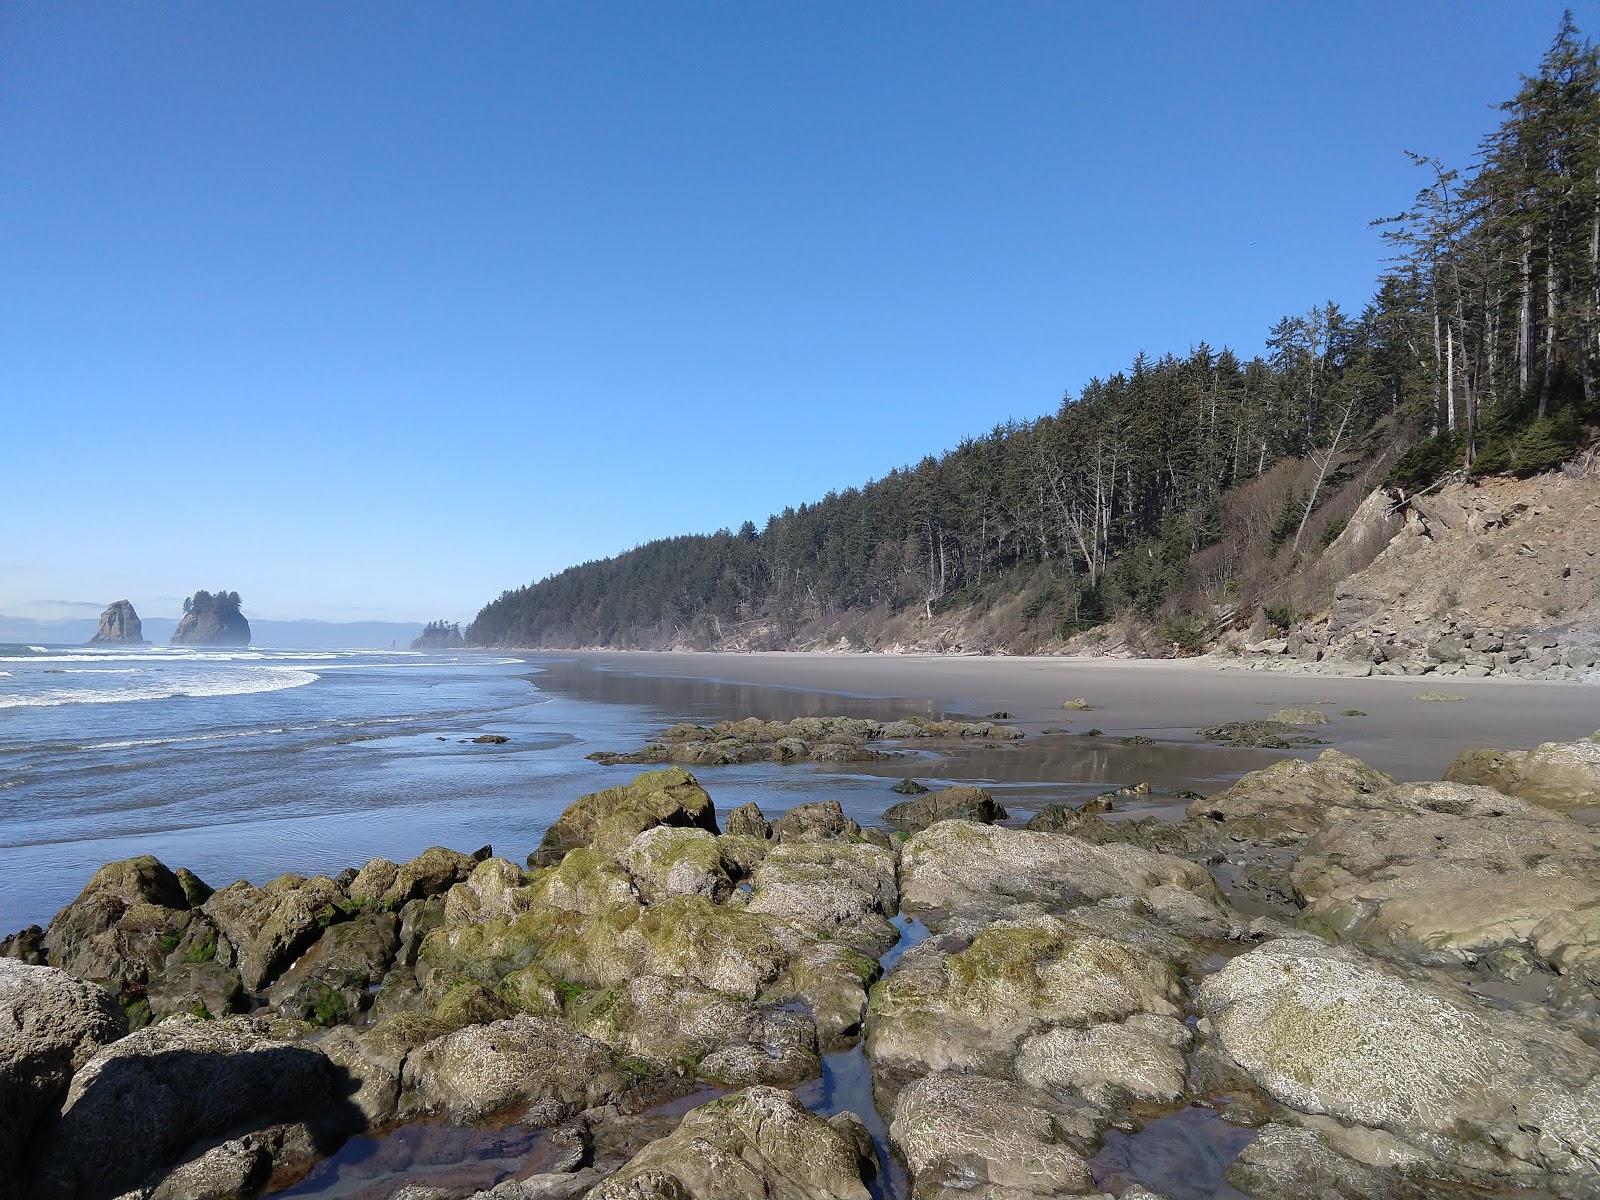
(1388, 989)
(813, 739)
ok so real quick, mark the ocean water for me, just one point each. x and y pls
(249, 763)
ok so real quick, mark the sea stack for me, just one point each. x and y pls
(439, 635)
(212, 619)
(119, 626)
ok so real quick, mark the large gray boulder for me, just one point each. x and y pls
(1454, 874)
(540, 1067)
(139, 1103)
(1326, 1031)
(1558, 775)
(273, 925)
(50, 1025)
(961, 864)
(758, 1142)
(972, 1010)
(971, 1135)
(1288, 801)
(118, 928)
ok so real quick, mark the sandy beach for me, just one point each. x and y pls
(1167, 700)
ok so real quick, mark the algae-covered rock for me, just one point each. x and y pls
(585, 881)
(970, 1010)
(1452, 874)
(675, 1022)
(756, 1142)
(1287, 801)
(115, 929)
(608, 821)
(968, 803)
(273, 925)
(1558, 775)
(960, 863)
(747, 820)
(525, 1063)
(495, 888)
(836, 889)
(51, 1024)
(138, 1103)
(1326, 1030)
(816, 821)
(1299, 716)
(1141, 1058)
(976, 1135)
(432, 873)
(667, 861)
(329, 983)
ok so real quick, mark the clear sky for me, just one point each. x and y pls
(374, 310)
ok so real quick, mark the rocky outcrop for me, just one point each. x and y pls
(969, 803)
(439, 635)
(51, 1023)
(814, 739)
(212, 619)
(1494, 577)
(119, 626)
(758, 1142)
(1325, 1030)
(609, 821)
(1557, 775)
(140, 1103)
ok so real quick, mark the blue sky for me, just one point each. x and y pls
(374, 310)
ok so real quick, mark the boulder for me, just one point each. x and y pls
(667, 861)
(970, 1011)
(756, 1142)
(677, 1023)
(1287, 801)
(273, 925)
(432, 873)
(1111, 1063)
(51, 1024)
(1325, 1030)
(1558, 775)
(329, 984)
(608, 821)
(843, 890)
(968, 803)
(539, 1067)
(747, 820)
(115, 928)
(964, 1134)
(816, 821)
(1453, 874)
(495, 888)
(957, 864)
(136, 1106)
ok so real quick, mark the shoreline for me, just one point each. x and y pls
(1168, 700)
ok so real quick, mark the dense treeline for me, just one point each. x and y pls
(203, 602)
(1478, 352)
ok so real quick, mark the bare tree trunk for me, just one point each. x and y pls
(1450, 372)
(1322, 473)
(1525, 313)
(1549, 330)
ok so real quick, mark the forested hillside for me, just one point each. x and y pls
(1185, 490)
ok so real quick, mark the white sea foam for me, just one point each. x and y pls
(246, 681)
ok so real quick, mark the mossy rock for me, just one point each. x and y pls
(1299, 716)
(608, 821)
(969, 803)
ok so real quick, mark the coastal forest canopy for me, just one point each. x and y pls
(203, 602)
(1182, 484)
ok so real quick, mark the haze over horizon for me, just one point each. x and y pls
(371, 313)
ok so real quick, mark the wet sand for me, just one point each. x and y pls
(1163, 700)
